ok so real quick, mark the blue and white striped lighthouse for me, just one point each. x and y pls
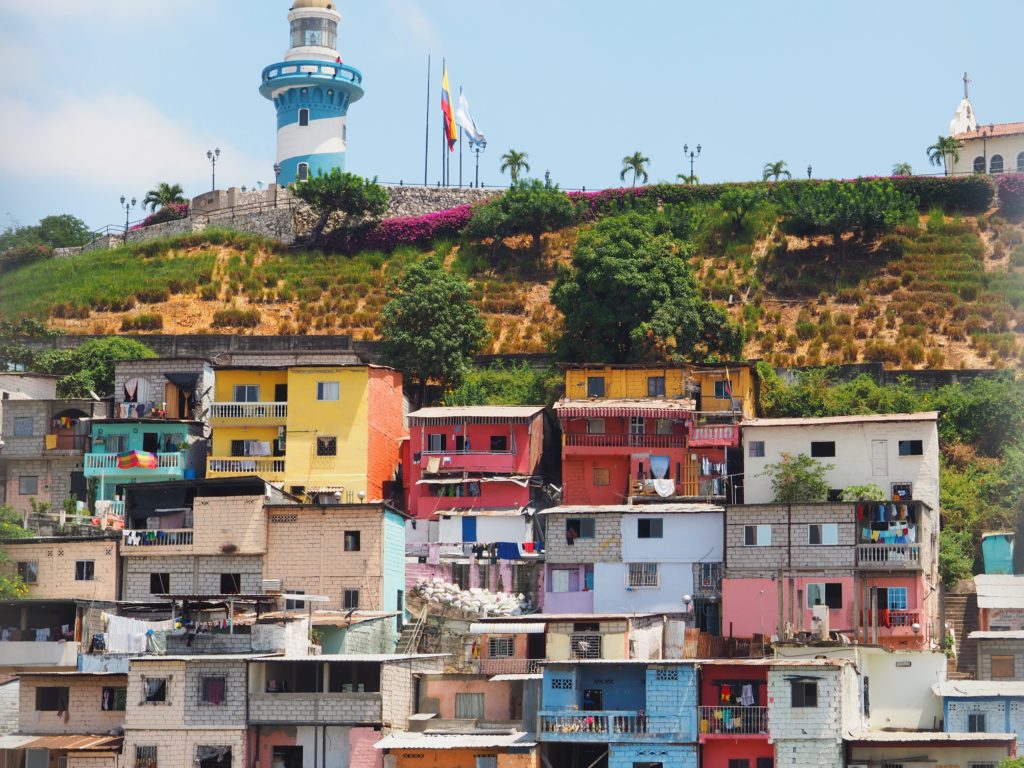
(311, 90)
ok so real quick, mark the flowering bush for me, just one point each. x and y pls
(24, 254)
(171, 212)
(1011, 192)
(394, 233)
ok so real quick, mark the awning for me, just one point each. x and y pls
(186, 382)
(523, 482)
(511, 628)
(70, 742)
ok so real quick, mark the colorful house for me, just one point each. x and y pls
(732, 718)
(456, 747)
(651, 433)
(326, 432)
(983, 706)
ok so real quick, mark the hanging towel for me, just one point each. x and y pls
(507, 550)
(747, 695)
(433, 464)
(665, 488)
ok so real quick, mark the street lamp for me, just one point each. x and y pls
(692, 155)
(212, 155)
(127, 205)
(277, 173)
(810, 170)
(478, 148)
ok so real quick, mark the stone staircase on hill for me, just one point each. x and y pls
(962, 614)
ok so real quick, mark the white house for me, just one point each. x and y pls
(991, 148)
(898, 452)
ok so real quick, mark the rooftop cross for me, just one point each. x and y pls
(967, 82)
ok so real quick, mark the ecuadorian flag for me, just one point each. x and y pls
(450, 131)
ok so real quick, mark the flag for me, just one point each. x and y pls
(728, 384)
(465, 118)
(450, 132)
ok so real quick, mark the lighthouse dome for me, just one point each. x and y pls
(299, 4)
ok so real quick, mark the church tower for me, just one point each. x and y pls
(311, 90)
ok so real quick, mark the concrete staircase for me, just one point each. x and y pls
(962, 614)
(409, 638)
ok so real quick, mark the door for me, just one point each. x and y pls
(536, 646)
(593, 700)
(37, 758)
(469, 529)
(151, 442)
(400, 607)
(879, 458)
(286, 757)
(280, 393)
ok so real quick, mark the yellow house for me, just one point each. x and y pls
(319, 430)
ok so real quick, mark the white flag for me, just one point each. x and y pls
(465, 118)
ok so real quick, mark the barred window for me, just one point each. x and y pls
(500, 647)
(666, 674)
(561, 684)
(643, 575)
(145, 757)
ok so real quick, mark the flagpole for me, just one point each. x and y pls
(460, 143)
(426, 147)
(444, 128)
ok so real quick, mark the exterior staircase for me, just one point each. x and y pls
(409, 639)
(962, 615)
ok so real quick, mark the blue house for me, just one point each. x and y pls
(641, 712)
(983, 706)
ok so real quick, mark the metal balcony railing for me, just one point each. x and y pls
(583, 440)
(108, 461)
(732, 721)
(250, 411)
(607, 723)
(889, 556)
(232, 467)
(157, 538)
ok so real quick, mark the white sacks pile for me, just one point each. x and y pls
(474, 601)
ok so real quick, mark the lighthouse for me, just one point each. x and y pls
(311, 90)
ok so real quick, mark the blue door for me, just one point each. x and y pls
(469, 529)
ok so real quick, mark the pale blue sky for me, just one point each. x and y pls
(104, 97)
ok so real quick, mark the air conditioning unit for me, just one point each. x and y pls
(268, 586)
(819, 622)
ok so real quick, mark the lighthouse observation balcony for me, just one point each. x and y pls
(292, 74)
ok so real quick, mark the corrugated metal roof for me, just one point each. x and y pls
(1007, 634)
(506, 678)
(456, 740)
(549, 617)
(469, 412)
(823, 420)
(969, 688)
(71, 742)
(516, 628)
(375, 657)
(999, 591)
(917, 736)
(634, 509)
(650, 408)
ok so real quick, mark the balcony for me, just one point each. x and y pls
(157, 538)
(269, 468)
(315, 708)
(468, 461)
(167, 465)
(60, 653)
(730, 722)
(309, 72)
(510, 666)
(621, 440)
(606, 725)
(251, 413)
(715, 436)
(889, 557)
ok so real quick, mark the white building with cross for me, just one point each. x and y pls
(984, 148)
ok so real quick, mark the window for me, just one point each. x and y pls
(247, 393)
(979, 164)
(664, 427)
(911, 448)
(159, 583)
(486, 761)
(28, 570)
(560, 579)
(738, 763)
(154, 690)
(584, 645)
(897, 598)
(145, 757)
(23, 426)
(437, 443)
(469, 706)
(302, 173)
(766, 762)
(579, 528)
(211, 690)
(643, 575)
(755, 449)
(85, 570)
(826, 534)
(595, 386)
(500, 647)
(352, 541)
(52, 699)
(823, 449)
(213, 757)
(595, 426)
(114, 699)
(326, 446)
(995, 165)
(231, 583)
(295, 605)
(757, 535)
(116, 443)
(649, 528)
(722, 390)
(328, 390)
(499, 443)
(1002, 668)
(637, 425)
(804, 693)
(976, 722)
(655, 386)
(352, 598)
(28, 485)
(1020, 163)
(303, 117)
(830, 594)
(460, 575)
(602, 476)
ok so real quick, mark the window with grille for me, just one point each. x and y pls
(28, 570)
(327, 446)
(500, 647)
(1002, 668)
(561, 684)
(666, 674)
(897, 598)
(755, 449)
(995, 165)
(328, 390)
(23, 426)
(655, 386)
(114, 699)
(643, 575)
(584, 646)
(52, 699)
(352, 541)
(351, 598)
(85, 570)
(824, 534)
(523, 576)
(804, 693)
(145, 757)
(469, 706)
(710, 575)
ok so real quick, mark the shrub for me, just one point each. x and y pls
(152, 294)
(965, 194)
(171, 212)
(235, 317)
(408, 231)
(22, 255)
(151, 321)
(1011, 193)
(865, 207)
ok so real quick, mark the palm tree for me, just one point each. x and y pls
(944, 148)
(775, 171)
(902, 169)
(688, 179)
(637, 164)
(515, 163)
(164, 194)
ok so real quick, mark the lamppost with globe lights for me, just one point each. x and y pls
(477, 148)
(127, 205)
(692, 154)
(212, 155)
(810, 170)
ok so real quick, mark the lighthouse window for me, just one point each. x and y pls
(303, 172)
(318, 32)
(303, 117)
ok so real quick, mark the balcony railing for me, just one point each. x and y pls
(107, 462)
(266, 467)
(605, 725)
(470, 461)
(64, 442)
(715, 435)
(584, 440)
(157, 538)
(510, 666)
(732, 721)
(250, 411)
(889, 556)
(892, 618)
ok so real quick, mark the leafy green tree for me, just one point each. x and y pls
(530, 207)
(864, 208)
(90, 366)
(515, 163)
(514, 384)
(798, 478)
(429, 329)
(630, 295)
(866, 492)
(737, 202)
(12, 587)
(903, 169)
(637, 165)
(1012, 762)
(775, 171)
(339, 192)
(945, 147)
(15, 355)
(163, 194)
(58, 231)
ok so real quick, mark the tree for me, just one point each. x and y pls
(164, 194)
(737, 203)
(688, 178)
(14, 354)
(798, 478)
(940, 152)
(12, 587)
(775, 171)
(902, 169)
(635, 164)
(864, 208)
(429, 329)
(532, 207)
(339, 192)
(630, 295)
(58, 231)
(515, 163)
(1012, 762)
(90, 366)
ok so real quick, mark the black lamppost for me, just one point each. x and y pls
(277, 173)
(127, 205)
(692, 154)
(212, 155)
(477, 148)
(810, 170)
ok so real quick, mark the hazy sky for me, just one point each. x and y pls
(100, 98)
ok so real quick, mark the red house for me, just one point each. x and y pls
(732, 718)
